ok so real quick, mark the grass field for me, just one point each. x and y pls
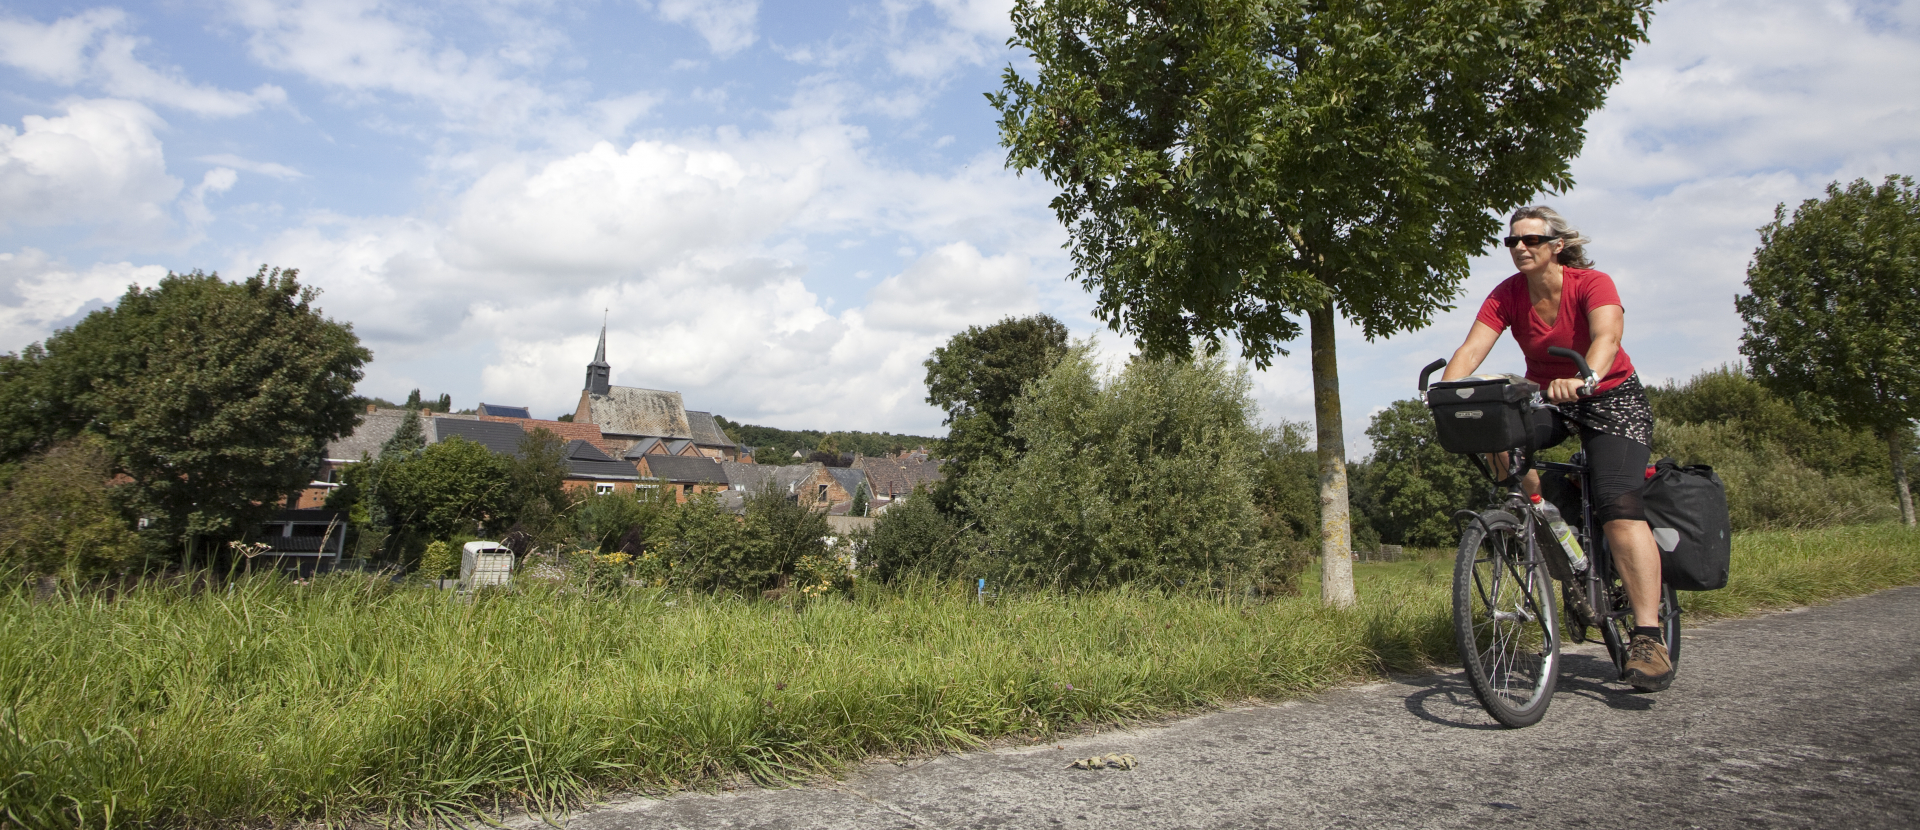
(352, 699)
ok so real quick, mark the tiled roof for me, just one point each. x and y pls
(373, 430)
(502, 438)
(626, 410)
(898, 476)
(584, 460)
(706, 431)
(683, 468)
(742, 476)
(849, 479)
(499, 411)
(641, 447)
(567, 431)
(679, 446)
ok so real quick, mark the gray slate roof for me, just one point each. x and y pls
(641, 447)
(626, 410)
(680, 468)
(742, 476)
(678, 446)
(585, 460)
(505, 411)
(706, 431)
(373, 430)
(500, 436)
(848, 478)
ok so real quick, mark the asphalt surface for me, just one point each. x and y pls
(1808, 718)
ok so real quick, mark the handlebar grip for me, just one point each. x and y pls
(1428, 372)
(1580, 361)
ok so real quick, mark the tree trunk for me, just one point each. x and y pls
(1336, 528)
(1897, 449)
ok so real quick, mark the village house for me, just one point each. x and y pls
(376, 426)
(647, 422)
(588, 467)
(687, 475)
(896, 477)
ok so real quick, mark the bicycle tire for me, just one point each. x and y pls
(1504, 621)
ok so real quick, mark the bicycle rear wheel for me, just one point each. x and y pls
(1504, 621)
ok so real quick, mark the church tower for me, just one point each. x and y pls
(599, 374)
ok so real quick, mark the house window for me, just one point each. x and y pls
(333, 475)
(602, 489)
(823, 492)
(686, 489)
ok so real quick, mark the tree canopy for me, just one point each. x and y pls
(978, 376)
(1225, 165)
(1833, 293)
(216, 398)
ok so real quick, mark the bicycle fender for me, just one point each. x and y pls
(1494, 518)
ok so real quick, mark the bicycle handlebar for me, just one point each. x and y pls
(1579, 361)
(1428, 372)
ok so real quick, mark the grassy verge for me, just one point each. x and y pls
(351, 699)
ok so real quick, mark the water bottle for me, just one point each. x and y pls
(1557, 527)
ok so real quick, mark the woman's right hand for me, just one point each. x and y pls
(1565, 390)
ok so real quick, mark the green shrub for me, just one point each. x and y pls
(59, 515)
(439, 561)
(913, 536)
(1147, 478)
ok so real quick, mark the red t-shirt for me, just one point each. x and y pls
(1581, 291)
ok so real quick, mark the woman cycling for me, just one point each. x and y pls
(1558, 300)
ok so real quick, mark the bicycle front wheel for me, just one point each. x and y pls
(1504, 621)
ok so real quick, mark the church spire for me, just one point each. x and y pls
(599, 374)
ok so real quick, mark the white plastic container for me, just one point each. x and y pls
(484, 564)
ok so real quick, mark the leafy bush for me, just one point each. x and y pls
(439, 561)
(59, 515)
(913, 536)
(1147, 478)
(1782, 469)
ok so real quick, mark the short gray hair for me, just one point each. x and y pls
(1573, 254)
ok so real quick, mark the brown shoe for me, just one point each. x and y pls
(1648, 668)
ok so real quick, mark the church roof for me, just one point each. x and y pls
(706, 431)
(626, 410)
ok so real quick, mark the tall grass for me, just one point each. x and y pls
(355, 699)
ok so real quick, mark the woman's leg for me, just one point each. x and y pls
(1619, 472)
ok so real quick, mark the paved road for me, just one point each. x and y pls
(1803, 719)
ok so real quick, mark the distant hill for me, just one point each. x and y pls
(777, 446)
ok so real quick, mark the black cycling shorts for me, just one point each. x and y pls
(1617, 466)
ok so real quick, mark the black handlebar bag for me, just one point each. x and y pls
(1687, 509)
(1482, 414)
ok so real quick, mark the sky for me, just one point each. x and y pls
(780, 209)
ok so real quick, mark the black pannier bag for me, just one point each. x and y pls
(1687, 509)
(1482, 413)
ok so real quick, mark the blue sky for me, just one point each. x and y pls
(781, 208)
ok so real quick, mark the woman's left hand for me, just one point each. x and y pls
(1562, 390)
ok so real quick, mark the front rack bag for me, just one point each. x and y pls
(1484, 413)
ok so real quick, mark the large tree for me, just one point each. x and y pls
(979, 375)
(1227, 165)
(1833, 293)
(216, 398)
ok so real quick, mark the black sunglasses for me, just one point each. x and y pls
(1533, 240)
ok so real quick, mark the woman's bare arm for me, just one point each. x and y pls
(1480, 340)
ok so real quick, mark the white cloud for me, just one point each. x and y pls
(971, 33)
(727, 25)
(93, 48)
(264, 168)
(358, 47)
(100, 164)
(38, 294)
(700, 247)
